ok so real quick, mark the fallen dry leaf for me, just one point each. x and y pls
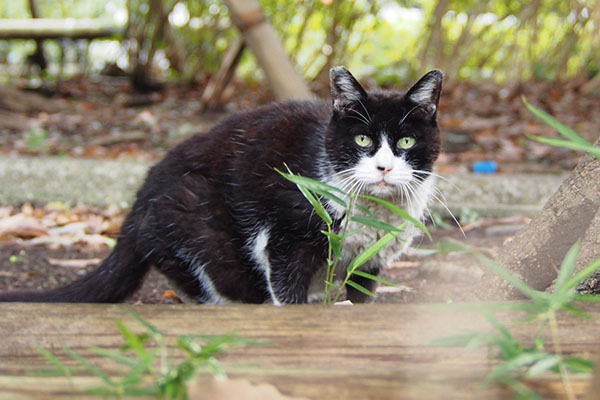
(170, 294)
(209, 388)
(21, 226)
(74, 263)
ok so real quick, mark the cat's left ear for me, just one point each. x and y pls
(426, 92)
(345, 89)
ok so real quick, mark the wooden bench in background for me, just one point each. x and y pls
(59, 28)
(377, 351)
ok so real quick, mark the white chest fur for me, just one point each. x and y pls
(358, 242)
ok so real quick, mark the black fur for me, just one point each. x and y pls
(199, 206)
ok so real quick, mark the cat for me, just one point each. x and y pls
(224, 226)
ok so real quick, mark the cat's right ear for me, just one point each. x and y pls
(345, 89)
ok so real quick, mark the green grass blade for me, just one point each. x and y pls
(144, 366)
(364, 210)
(567, 267)
(102, 391)
(514, 280)
(587, 297)
(375, 223)
(132, 339)
(456, 341)
(141, 391)
(554, 123)
(316, 204)
(587, 147)
(142, 321)
(360, 288)
(90, 367)
(400, 212)
(115, 356)
(364, 274)
(315, 186)
(515, 364)
(578, 364)
(335, 241)
(54, 361)
(583, 274)
(543, 365)
(577, 311)
(369, 252)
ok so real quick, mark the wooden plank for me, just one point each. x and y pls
(359, 352)
(55, 28)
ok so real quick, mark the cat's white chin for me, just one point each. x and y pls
(382, 189)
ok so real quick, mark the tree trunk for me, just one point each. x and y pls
(38, 57)
(260, 37)
(537, 251)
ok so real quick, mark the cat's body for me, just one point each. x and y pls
(217, 219)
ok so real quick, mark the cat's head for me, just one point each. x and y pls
(383, 142)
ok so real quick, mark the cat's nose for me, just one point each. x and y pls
(384, 170)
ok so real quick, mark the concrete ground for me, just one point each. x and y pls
(102, 183)
(432, 277)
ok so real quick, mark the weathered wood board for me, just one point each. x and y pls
(377, 351)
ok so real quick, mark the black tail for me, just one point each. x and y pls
(113, 281)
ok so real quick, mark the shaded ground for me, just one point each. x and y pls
(101, 118)
(432, 278)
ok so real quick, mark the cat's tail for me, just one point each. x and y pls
(119, 275)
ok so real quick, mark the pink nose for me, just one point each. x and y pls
(384, 170)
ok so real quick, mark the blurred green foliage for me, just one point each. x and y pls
(390, 41)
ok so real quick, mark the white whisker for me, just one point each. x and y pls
(407, 114)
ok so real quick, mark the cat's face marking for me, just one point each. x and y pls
(384, 172)
(383, 143)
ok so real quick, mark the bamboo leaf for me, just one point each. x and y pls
(315, 186)
(375, 223)
(587, 147)
(335, 241)
(567, 267)
(370, 252)
(578, 364)
(515, 364)
(115, 356)
(583, 274)
(543, 365)
(141, 368)
(317, 205)
(141, 391)
(563, 293)
(90, 367)
(132, 339)
(399, 211)
(508, 276)
(379, 279)
(360, 288)
(554, 123)
(54, 361)
(142, 321)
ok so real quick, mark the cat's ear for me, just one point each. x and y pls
(426, 92)
(345, 89)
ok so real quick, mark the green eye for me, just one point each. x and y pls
(363, 140)
(406, 142)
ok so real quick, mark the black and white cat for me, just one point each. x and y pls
(217, 219)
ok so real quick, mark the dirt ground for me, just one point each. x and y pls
(442, 277)
(102, 118)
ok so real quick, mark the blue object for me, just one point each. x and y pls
(485, 167)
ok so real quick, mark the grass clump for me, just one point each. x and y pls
(146, 362)
(317, 193)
